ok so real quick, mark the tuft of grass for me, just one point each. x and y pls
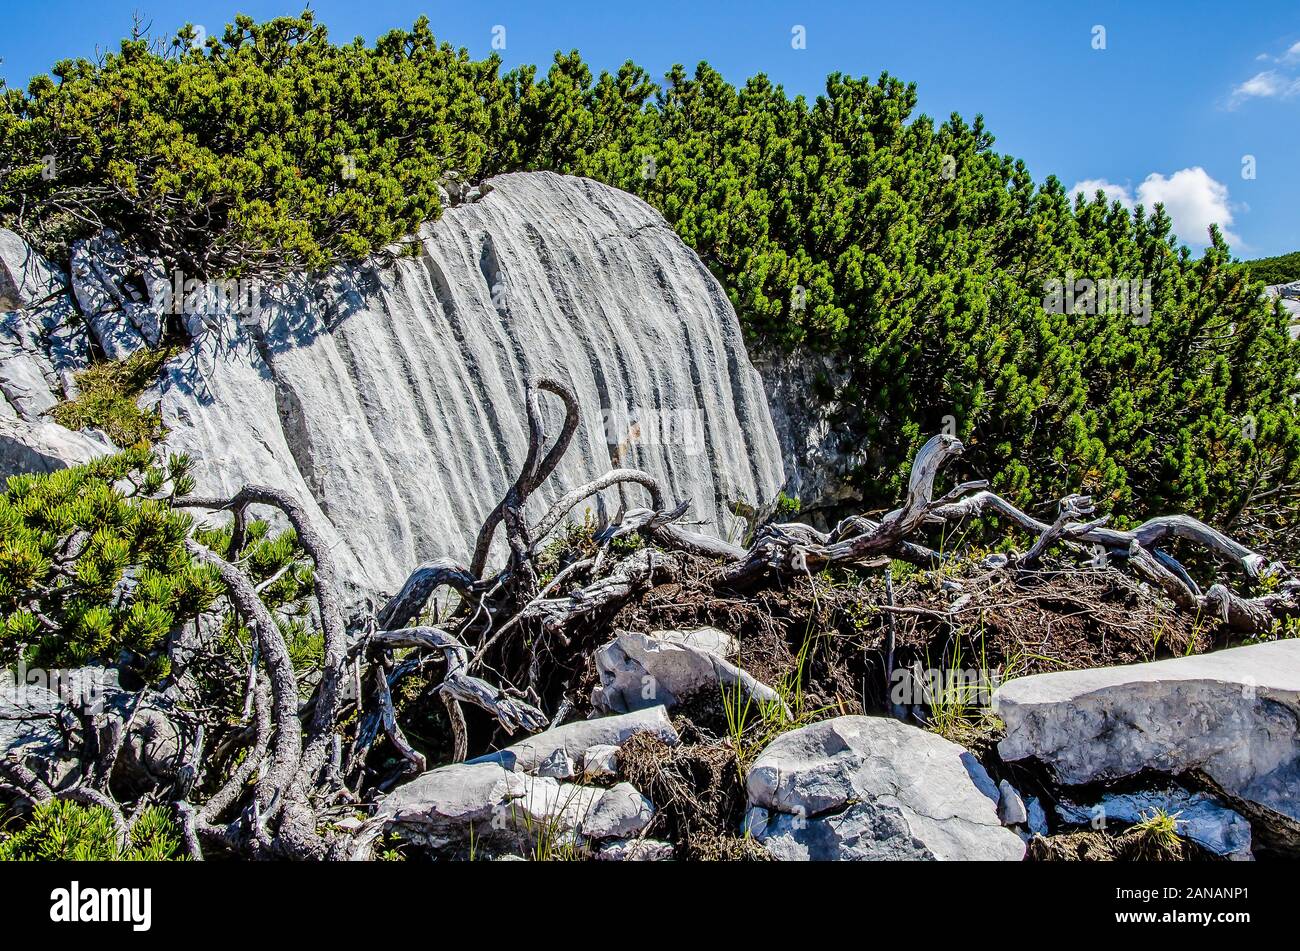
(1156, 835)
(108, 395)
(753, 724)
(959, 711)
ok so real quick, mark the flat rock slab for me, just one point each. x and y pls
(873, 788)
(483, 805)
(1230, 715)
(575, 739)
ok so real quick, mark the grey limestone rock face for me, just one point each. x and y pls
(42, 339)
(25, 277)
(116, 291)
(41, 726)
(816, 452)
(391, 400)
(45, 447)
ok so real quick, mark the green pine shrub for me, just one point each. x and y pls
(1281, 269)
(907, 248)
(63, 831)
(94, 568)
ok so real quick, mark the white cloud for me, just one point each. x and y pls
(1192, 199)
(1266, 85)
(1113, 192)
(1271, 83)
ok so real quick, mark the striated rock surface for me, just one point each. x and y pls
(391, 399)
(42, 341)
(118, 293)
(25, 277)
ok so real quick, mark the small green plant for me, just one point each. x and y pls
(108, 399)
(787, 507)
(902, 570)
(572, 542)
(1281, 629)
(63, 831)
(1156, 835)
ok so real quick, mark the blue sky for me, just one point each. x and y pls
(1169, 110)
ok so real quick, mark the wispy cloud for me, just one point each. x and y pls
(1270, 84)
(1281, 81)
(1192, 198)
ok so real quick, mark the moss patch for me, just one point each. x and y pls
(108, 399)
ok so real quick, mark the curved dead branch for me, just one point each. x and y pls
(292, 753)
(286, 750)
(557, 512)
(405, 606)
(532, 474)
(511, 712)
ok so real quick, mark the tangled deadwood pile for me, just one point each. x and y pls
(511, 655)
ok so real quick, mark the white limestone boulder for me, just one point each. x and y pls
(485, 806)
(390, 400)
(859, 787)
(1229, 716)
(638, 670)
(635, 850)
(45, 447)
(600, 762)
